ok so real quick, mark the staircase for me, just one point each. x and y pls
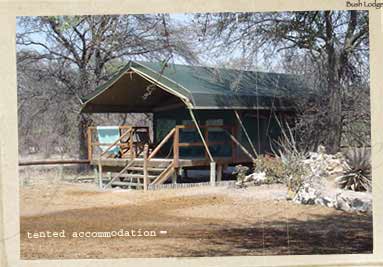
(144, 164)
(132, 175)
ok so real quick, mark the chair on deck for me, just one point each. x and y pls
(107, 135)
(142, 138)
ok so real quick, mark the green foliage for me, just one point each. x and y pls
(357, 176)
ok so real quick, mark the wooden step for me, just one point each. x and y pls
(149, 169)
(164, 175)
(151, 164)
(134, 175)
(118, 183)
(137, 162)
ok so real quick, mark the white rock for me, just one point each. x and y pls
(257, 177)
(351, 201)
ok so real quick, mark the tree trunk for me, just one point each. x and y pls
(334, 90)
(83, 121)
(334, 116)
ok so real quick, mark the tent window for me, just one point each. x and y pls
(163, 127)
(189, 123)
(218, 122)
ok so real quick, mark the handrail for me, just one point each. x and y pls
(115, 142)
(117, 175)
(154, 152)
(106, 144)
(204, 126)
(201, 144)
(178, 127)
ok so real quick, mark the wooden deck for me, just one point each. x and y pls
(138, 164)
(183, 163)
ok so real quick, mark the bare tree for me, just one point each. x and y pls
(80, 52)
(335, 41)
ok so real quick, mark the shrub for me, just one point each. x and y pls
(291, 157)
(273, 168)
(241, 172)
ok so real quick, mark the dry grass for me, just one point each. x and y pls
(199, 221)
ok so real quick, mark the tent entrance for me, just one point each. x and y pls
(132, 93)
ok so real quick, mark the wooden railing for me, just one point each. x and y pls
(117, 142)
(159, 146)
(205, 128)
(175, 133)
(127, 142)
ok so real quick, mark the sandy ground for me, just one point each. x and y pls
(202, 221)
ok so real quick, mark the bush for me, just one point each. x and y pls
(294, 170)
(241, 172)
(272, 167)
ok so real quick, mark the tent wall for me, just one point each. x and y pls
(262, 131)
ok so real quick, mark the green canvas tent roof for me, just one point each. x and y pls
(196, 87)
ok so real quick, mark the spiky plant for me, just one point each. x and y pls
(357, 173)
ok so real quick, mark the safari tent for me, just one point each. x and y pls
(202, 117)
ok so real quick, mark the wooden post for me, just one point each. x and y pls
(95, 175)
(100, 174)
(90, 147)
(212, 173)
(146, 182)
(174, 178)
(176, 148)
(61, 172)
(219, 172)
(131, 144)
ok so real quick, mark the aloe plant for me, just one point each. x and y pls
(357, 173)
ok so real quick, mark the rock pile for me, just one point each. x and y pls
(354, 201)
(256, 178)
(322, 164)
(316, 191)
(319, 187)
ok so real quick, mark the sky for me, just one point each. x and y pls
(206, 58)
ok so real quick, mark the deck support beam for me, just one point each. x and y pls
(174, 178)
(95, 174)
(219, 172)
(212, 173)
(145, 167)
(100, 185)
